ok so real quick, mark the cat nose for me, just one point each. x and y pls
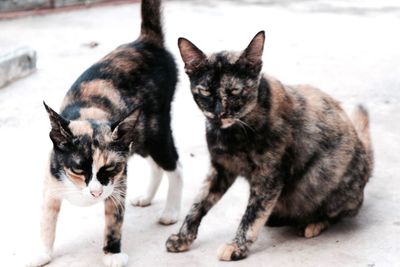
(96, 193)
(218, 108)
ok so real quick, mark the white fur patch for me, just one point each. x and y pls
(40, 258)
(155, 180)
(169, 216)
(141, 201)
(172, 209)
(83, 197)
(115, 260)
(95, 187)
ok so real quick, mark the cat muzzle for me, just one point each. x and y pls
(96, 193)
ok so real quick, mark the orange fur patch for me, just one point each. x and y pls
(81, 128)
(93, 113)
(78, 180)
(102, 88)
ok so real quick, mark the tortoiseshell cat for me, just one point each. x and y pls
(306, 162)
(119, 106)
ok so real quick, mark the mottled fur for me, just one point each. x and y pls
(306, 163)
(119, 106)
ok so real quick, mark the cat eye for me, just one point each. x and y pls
(203, 91)
(236, 91)
(77, 171)
(110, 168)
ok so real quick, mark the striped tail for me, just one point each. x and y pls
(361, 123)
(151, 22)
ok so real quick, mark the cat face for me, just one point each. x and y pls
(89, 157)
(224, 85)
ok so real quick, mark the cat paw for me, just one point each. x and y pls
(39, 259)
(315, 229)
(169, 217)
(178, 243)
(115, 260)
(231, 252)
(141, 201)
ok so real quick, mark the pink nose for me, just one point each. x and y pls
(96, 193)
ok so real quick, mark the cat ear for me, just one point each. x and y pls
(254, 51)
(124, 130)
(60, 133)
(192, 56)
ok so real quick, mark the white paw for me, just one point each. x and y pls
(141, 201)
(169, 217)
(115, 260)
(40, 259)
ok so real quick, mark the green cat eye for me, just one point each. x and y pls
(77, 171)
(203, 91)
(236, 91)
(110, 168)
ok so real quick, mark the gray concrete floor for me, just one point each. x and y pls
(350, 49)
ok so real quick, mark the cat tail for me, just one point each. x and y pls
(151, 29)
(361, 123)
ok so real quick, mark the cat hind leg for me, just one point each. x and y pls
(172, 208)
(166, 158)
(155, 180)
(315, 229)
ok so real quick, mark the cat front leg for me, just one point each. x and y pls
(216, 184)
(50, 209)
(114, 216)
(263, 196)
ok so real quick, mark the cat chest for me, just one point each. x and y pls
(240, 163)
(237, 155)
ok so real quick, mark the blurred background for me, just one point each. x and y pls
(25, 5)
(348, 48)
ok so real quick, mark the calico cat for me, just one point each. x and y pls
(119, 106)
(306, 162)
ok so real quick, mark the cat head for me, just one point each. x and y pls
(224, 85)
(90, 157)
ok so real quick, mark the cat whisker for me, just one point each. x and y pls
(120, 183)
(244, 129)
(245, 124)
(113, 201)
(118, 202)
(119, 188)
(119, 195)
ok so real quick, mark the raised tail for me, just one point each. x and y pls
(151, 22)
(361, 123)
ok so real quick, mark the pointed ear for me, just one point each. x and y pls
(252, 55)
(124, 130)
(60, 133)
(192, 56)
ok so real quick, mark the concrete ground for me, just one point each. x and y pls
(350, 49)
